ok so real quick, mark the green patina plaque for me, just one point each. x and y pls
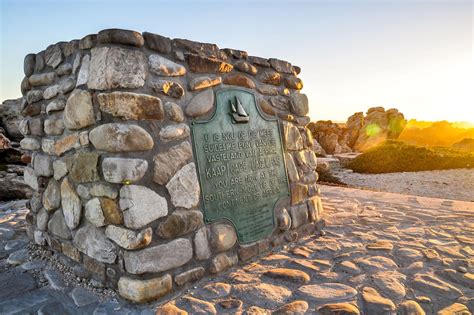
(240, 164)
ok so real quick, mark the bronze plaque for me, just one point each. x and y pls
(241, 169)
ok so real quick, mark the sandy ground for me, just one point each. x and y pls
(456, 184)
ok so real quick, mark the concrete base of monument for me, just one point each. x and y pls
(380, 253)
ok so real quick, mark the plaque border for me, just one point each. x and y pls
(193, 140)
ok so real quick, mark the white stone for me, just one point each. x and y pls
(202, 250)
(174, 132)
(51, 92)
(71, 204)
(77, 63)
(43, 165)
(30, 144)
(59, 169)
(84, 71)
(79, 112)
(94, 212)
(129, 239)
(141, 205)
(165, 67)
(56, 105)
(92, 242)
(183, 187)
(159, 258)
(30, 178)
(118, 170)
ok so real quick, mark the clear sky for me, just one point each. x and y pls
(416, 56)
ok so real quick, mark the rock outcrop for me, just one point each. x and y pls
(359, 133)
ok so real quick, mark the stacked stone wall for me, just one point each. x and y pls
(107, 126)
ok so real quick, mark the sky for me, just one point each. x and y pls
(416, 56)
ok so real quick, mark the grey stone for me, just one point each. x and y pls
(57, 226)
(56, 105)
(79, 112)
(114, 137)
(53, 55)
(202, 251)
(118, 170)
(71, 204)
(223, 237)
(29, 64)
(120, 36)
(39, 62)
(94, 212)
(34, 96)
(41, 79)
(64, 69)
(184, 188)
(88, 41)
(103, 190)
(179, 223)
(42, 220)
(54, 279)
(83, 297)
(174, 132)
(200, 104)
(174, 112)
(157, 42)
(129, 239)
(77, 62)
(299, 104)
(36, 126)
(43, 165)
(24, 127)
(129, 105)
(15, 244)
(14, 284)
(59, 169)
(70, 48)
(281, 65)
(83, 192)
(92, 242)
(83, 75)
(169, 162)
(116, 67)
(30, 178)
(30, 144)
(52, 195)
(67, 85)
(51, 92)
(159, 258)
(18, 257)
(141, 206)
(164, 67)
(53, 126)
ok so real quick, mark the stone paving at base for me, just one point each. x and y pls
(380, 253)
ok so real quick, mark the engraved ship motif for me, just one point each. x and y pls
(238, 114)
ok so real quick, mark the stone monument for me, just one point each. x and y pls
(156, 162)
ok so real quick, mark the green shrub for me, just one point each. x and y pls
(394, 156)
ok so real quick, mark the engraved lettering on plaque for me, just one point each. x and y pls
(239, 157)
